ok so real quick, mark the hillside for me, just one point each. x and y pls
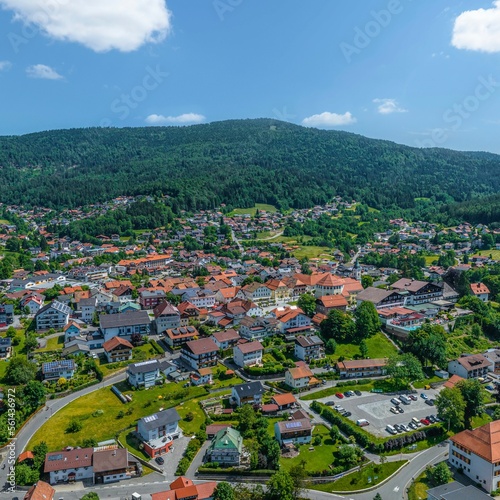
(237, 162)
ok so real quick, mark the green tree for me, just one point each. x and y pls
(33, 394)
(247, 420)
(26, 475)
(363, 349)
(11, 332)
(339, 326)
(367, 320)
(349, 455)
(74, 426)
(366, 281)
(280, 486)
(404, 369)
(451, 407)
(39, 451)
(377, 497)
(392, 278)
(90, 496)
(307, 303)
(440, 474)
(428, 344)
(224, 491)
(334, 433)
(31, 342)
(331, 346)
(299, 476)
(20, 371)
(474, 396)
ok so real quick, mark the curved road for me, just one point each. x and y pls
(51, 407)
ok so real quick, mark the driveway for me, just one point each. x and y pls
(173, 457)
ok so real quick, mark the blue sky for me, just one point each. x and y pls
(423, 73)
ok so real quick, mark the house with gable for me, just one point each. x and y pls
(248, 353)
(158, 431)
(247, 393)
(54, 315)
(226, 448)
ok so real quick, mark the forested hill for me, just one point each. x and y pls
(236, 162)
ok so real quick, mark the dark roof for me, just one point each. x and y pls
(109, 460)
(5, 342)
(308, 341)
(58, 306)
(143, 366)
(164, 417)
(55, 366)
(248, 389)
(126, 319)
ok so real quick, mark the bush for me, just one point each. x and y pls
(74, 426)
(156, 346)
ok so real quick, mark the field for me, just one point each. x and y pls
(113, 417)
(252, 211)
(369, 476)
(379, 346)
(495, 254)
(318, 459)
(429, 259)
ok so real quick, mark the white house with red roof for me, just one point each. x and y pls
(474, 366)
(480, 290)
(477, 453)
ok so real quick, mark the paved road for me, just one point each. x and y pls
(52, 406)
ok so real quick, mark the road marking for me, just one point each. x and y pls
(396, 488)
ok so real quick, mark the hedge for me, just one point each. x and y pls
(156, 346)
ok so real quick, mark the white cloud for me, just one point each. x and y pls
(478, 29)
(100, 25)
(388, 106)
(327, 119)
(5, 65)
(181, 119)
(42, 71)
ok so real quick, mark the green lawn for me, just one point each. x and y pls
(369, 476)
(418, 489)
(193, 406)
(108, 424)
(19, 349)
(379, 346)
(53, 344)
(223, 382)
(252, 211)
(495, 254)
(480, 420)
(315, 460)
(312, 252)
(429, 259)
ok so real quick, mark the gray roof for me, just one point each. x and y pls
(374, 295)
(58, 306)
(143, 367)
(248, 389)
(164, 417)
(456, 491)
(124, 319)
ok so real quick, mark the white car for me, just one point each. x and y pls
(394, 409)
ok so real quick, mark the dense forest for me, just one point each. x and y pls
(239, 163)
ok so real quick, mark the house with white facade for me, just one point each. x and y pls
(54, 315)
(200, 353)
(474, 366)
(300, 377)
(248, 353)
(226, 338)
(124, 325)
(293, 431)
(167, 317)
(307, 348)
(54, 370)
(481, 291)
(247, 393)
(158, 431)
(477, 453)
(144, 374)
(291, 319)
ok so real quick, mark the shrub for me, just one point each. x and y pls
(74, 426)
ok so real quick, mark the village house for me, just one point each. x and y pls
(328, 303)
(158, 431)
(300, 377)
(248, 354)
(54, 315)
(202, 376)
(418, 292)
(257, 292)
(257, 328)
(87, 307)
(117, 349)
(184, 489)
(40, 491)
(284, 401)
(176, 337)
(474, 366)
(307, 348)
(247, 393)
(493, 356)
(477, 453)
(5, 347)
(54, 370)
(480, 290)
(226, 338)
(294, 431)
(361, 368)
(200, 353)
(167, 317)
(291, 320)
(144, 374)
(149, 299)
(380, 298)
(124, 324)
(226, 448)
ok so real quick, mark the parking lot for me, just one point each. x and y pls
(376, 409)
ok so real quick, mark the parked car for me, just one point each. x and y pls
(403, 426)
(425, 421)
(159, 460)
(429, 402)
(347, 394)
(400, 409)
(339, 395)
(412, 397)
(424, 396)
(358, 393)
(394, 409)
(395, 401)
(347, 414)
(340, 409)
(416, 421)
(431, 419)
(337, 407)
(330, 403)
(411, 425)
(490, 387)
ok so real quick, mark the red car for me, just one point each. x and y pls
(425, 421)
(339, 395)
